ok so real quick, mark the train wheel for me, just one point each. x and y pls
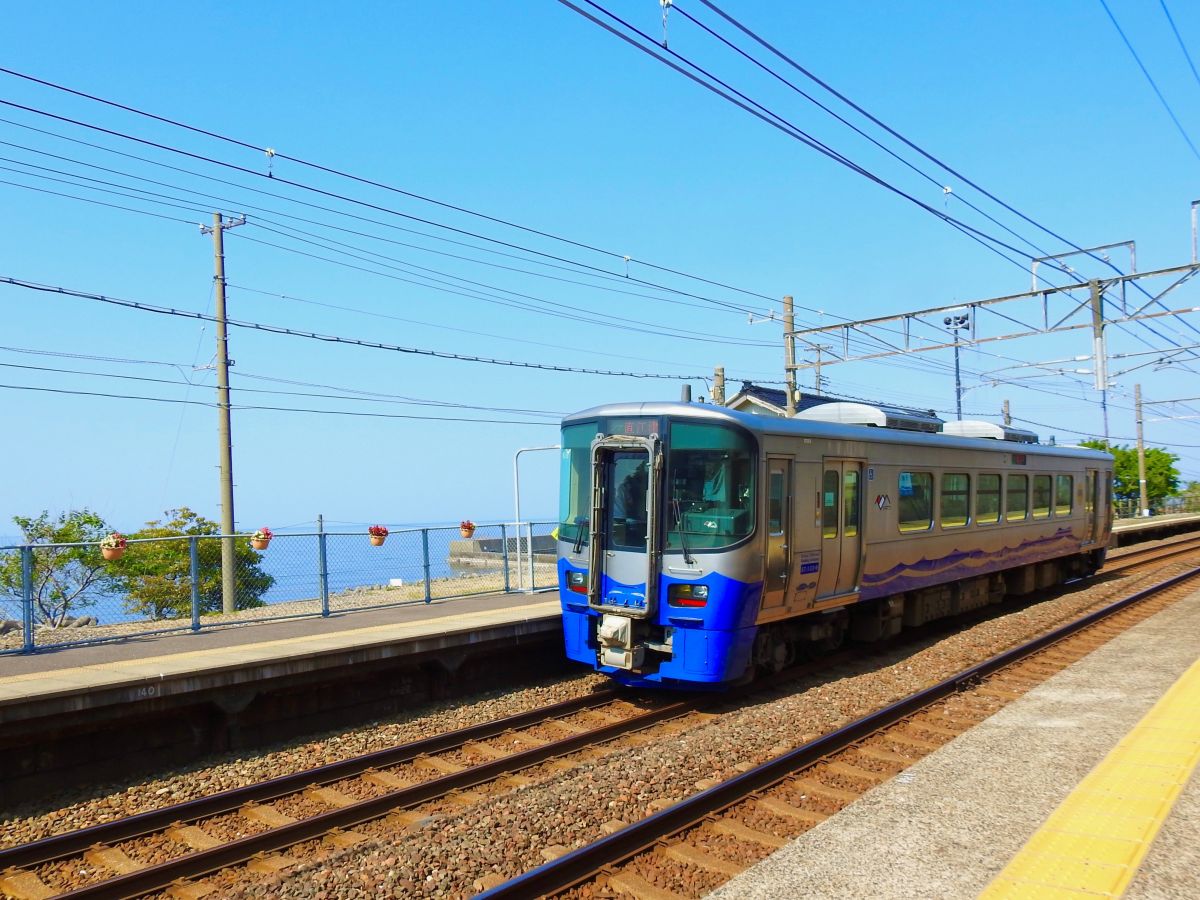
(771, 654)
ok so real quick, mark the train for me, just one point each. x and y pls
(699, 546)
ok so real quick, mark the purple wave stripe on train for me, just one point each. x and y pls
(961, 564)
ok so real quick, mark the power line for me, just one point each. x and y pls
(372, 183)
(647, 327)
(394, 318)
(775, 120)
(292, 233)
(922, 173)
(489, 298)
(1149, 78)
(230, 206)
(244, 390)
(795, 65)
(319, 412)
(335, 339)
(1179, 38)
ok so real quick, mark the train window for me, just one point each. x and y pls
(575, 494)
(987, 500)
(829, 503)
(956, 492)
(1064, 491)
(850, 504)
(775, 497)
(1041, 496)
(629, 475)
(1016, 498)
(916, 501)
(710, 486)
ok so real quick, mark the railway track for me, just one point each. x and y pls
(173, 849)
(698, 844)
(164, 849)
(272, 826)
(1159, 551)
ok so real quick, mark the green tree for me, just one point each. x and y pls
(65, 579)
(1162, 478)
(1191, 495)
(156, 576)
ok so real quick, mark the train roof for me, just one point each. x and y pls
(800, 427)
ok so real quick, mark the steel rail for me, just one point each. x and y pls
(199, 863)
(72, 842)
(1141, 555)
(581, 864)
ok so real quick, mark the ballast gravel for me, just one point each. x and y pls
(452, 853)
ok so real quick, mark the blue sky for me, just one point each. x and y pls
(530, 114)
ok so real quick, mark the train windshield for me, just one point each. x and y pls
(710, 483)
(710, 486)
(575, 489)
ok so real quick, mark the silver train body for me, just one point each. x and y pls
(698, 543)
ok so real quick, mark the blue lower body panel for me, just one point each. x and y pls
(701, 656)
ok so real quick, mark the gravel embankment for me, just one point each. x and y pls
(505, 834)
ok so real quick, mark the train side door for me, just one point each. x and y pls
(1089, 506)
(841, 527)
(779, 528)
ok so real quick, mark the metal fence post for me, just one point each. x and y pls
(504, 551)
(27, 597)
(323, 574)
(425, 555)
(532, 577)
(194, 563)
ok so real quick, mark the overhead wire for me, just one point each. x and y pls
(377, 184)
(231, 205)
(309, 394)
(1158, 93)
(334, 339)
(381, 315)
(347, 199)
(326, 412)
(1179, 39)
(849, 102)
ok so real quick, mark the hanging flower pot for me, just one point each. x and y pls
(378, 534)
(466, 528)
(112, 546)
(261, 539)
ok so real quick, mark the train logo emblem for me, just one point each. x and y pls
(883, 501)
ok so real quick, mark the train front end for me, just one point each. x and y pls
(659, 575)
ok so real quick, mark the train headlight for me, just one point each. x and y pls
(577, 581)
(688, 595)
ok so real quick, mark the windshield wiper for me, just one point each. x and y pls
(687, 556)
(581, 523)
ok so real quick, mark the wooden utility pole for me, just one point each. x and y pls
(718, 391)
(789, 355)
(1144, 505)
(224, 432)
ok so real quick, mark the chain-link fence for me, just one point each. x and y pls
(58, 594)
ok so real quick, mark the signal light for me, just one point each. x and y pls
(577, 581)
(695, 595)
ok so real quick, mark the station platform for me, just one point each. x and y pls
(75, 713)
(1149, 528)
(1085, 787)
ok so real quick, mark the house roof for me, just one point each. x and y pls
(776, 400)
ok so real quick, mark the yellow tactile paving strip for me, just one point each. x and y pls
(29, 684)
(1092, 845)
